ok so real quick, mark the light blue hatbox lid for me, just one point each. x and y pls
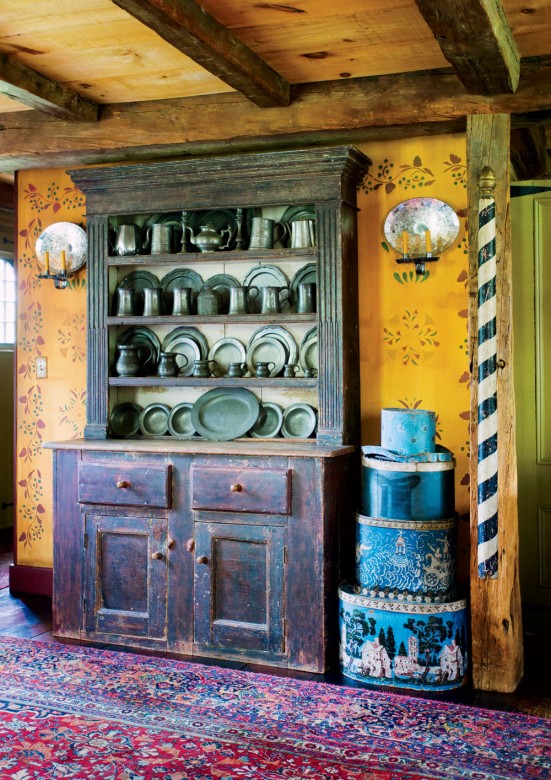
(408, 431)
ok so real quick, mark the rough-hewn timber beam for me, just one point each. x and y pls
(191, 30)
(529, 155)
(496, 618)
(476, 39)
(329, 112)
(32, 89)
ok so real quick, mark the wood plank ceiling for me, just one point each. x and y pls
(99, 80)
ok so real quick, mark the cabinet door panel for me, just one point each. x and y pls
(239, 586)
(125, 588)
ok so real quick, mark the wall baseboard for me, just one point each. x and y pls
(31, 579)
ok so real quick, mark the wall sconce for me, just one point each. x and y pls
(61, 250)
(420, 229)
(60, 279)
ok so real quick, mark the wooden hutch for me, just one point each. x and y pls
(228, 549)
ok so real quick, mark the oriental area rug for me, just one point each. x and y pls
(72, 712)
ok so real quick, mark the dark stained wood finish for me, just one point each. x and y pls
(230, 489)
(239, 587)
(124, 484)
(19, 82)
(125, 587)
(7, 195)
(30, 579)
(476, 39)
(496, 616)
(191, 30)
(396, 106)
(529, 154)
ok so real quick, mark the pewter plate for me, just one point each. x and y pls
(417, 215)
(125, 419)
(154, 419)
(179, 420)
(173, 338)
(146, 339)
(223, 414)
(265, 276)
(268, 349)
(269, 421)
(299, 421)
(62, 235)
(280, 333)
(224, 352)
(180, 277)
(294, 213)
(309, 354)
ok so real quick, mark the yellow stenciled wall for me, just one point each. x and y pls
(50, 323)
(413, 330)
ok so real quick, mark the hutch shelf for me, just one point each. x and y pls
(228, 549)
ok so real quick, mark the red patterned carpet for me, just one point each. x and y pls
(70, 712)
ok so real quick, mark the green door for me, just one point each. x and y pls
(531, 236)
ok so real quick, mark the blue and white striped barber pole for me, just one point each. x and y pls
(487, 381)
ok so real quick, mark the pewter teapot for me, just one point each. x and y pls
(209, 239)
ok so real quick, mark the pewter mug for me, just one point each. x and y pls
(129, 361)
(168, 366)
(152, 297)
(240, 297)
(302, 233)
(263, 368)
(265, 233)
(290, 369)
(160, 237)
(181, 300)
(310, 373)
(125, 302)
(306, 303)
(202, 368)
(128, 240)
(271, 299)
(236, 369)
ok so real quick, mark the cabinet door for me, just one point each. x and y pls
(125, 576)
(239, 586)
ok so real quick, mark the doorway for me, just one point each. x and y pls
(531, 241)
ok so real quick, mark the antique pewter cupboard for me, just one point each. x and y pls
(227, 549)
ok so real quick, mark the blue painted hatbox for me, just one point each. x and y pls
(400, 490)
(408, 431)
(403, 644)
(396, 558)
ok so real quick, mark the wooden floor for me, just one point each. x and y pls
(30, 617)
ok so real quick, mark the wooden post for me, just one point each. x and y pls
(496, 618)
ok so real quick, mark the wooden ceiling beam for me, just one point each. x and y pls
(529, 155)
(476, 39)
(191, 30)
(334, 112)
(32, 89)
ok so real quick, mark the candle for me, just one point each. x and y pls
(404, 242)
(46, 262)
(427, 242)
(63, 262)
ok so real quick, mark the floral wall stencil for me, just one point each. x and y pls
(413, 328)
(50, 323)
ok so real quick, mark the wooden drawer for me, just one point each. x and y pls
(124, 484)
(234, 489)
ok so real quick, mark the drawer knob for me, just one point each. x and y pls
(190, 545)
(202, 559)
(157, 556)
(122, 483)
(236, 488)
(170, 543)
